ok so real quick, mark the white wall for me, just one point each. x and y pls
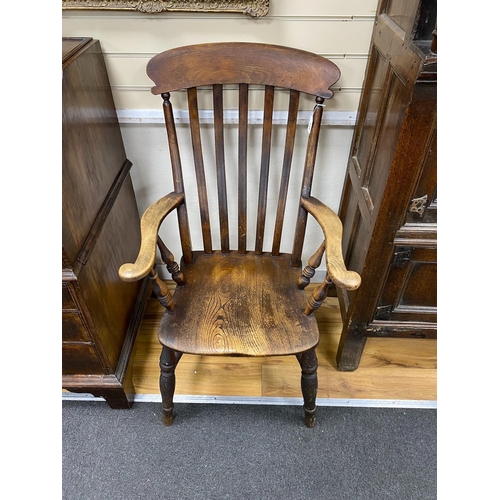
(338, 30)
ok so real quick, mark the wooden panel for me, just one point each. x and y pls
(411, 287)
(372, 111)
(73, 328)
(402, 12)
(67, 299)
(420, 285)
(71, 46)
(80, 359)
(427, 186)
(386, 141)
(88, 169)
(110, 300)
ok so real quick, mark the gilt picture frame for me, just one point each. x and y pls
(253, 8)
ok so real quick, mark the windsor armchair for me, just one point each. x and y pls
(236, 301)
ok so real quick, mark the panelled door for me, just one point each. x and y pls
(389, 202)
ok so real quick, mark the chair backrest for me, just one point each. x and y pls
(240, 66)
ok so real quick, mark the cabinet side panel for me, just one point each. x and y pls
(111, 301)
(92, 146)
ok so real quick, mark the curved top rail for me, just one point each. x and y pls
(242, 62)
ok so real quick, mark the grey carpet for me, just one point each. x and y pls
(216, 451)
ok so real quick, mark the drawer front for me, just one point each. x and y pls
(67, 300)
(410, 292)
(80, 359)
(73, 328)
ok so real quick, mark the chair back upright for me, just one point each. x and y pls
(218, 66)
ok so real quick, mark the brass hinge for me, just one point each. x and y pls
(383, 312)
(402, 256)
(418, 205)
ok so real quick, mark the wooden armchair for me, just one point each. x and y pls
(235, 301)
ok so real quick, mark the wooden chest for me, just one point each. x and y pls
(100, 231)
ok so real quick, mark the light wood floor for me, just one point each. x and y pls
(390, 369)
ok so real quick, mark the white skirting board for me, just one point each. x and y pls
(366, 403)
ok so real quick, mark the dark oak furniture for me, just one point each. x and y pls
(389, 201)
(241, 302)
(100, 228)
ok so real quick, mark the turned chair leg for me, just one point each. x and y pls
(168, 362)
(309, 384)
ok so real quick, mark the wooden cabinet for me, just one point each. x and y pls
(389, 200)
(100, 231)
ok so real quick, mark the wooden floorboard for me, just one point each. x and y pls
(390, 369)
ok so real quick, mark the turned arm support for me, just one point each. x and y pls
(150, 223)
(332, 229)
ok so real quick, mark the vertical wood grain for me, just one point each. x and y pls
(221, 166)
(175, 160)
(293, 109)
(264, 167)
(199, 169)
(242, 167)
(310, 160)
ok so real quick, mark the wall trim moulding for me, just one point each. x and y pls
(152, 116)
(253, 8)
(149, 55)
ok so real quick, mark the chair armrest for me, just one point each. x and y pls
(150, 223)
(332, 229)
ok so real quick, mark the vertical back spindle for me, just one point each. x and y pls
(220, 166)
(242, 167)
(199, 169)
(312, 147)
(264, 167)
(175, 160)
(293, 109)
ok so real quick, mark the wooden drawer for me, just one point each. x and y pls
(73, 328)
(67, 300)
(80, 359)
(410, 292)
